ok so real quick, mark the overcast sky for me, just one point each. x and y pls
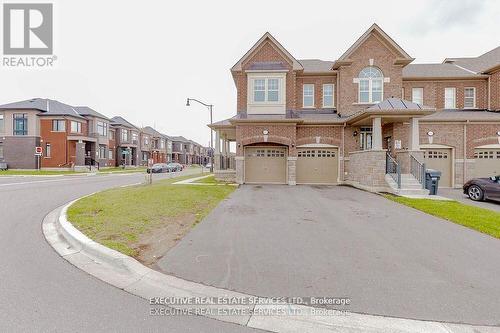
(141, 59)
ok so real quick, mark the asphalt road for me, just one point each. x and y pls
(41, 292)
(341, 242)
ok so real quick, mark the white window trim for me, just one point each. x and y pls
(333, 95)
(277, 107)
(413, 94)
(266, 78)
(79, 126)
(303, 96)
(475, 98)
(454, 97)
(370, 87)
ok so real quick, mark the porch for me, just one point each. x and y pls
(224, 158)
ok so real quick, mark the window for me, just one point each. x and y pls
(76, 127)
(417, 95)
(20, 124)
(162, 144)
(371, 85)
(146, 140)
(124, 133)
(365, 138)
(102, 128)
(48, 150)
(2, 127)
(102, 152)
(449, 98)
(328, 95)
(110, 154)
(266, 90)
(144, 156)
(308, 96)
(134, 138)
(58, 125)
(470, 97)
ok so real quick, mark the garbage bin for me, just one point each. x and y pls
(432, 180)
(3, 166)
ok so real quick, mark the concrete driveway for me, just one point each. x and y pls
(339, 241)
(458, 195)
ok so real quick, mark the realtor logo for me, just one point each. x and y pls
(27, 28)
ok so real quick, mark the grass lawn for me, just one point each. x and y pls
(480, 219)
(35, 172)
(132, 219)
(122, 170)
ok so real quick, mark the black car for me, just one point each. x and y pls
(158, 168)
(483, 188)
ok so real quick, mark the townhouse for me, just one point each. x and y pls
(76, 137)
(369, 118)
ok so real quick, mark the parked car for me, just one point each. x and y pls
(483, 188)
(174, 167)
(208, 165)
(158, 168)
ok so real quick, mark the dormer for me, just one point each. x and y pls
(264, 77)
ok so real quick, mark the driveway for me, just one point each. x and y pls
(339, 241)
(458, 195)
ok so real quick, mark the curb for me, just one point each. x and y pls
(128, 274)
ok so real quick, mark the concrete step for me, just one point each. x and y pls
(409, 186)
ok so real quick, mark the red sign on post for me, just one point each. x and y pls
(38, 151)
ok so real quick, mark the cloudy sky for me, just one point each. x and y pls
(141, 59)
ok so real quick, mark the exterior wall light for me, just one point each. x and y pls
(430, 133)
(498, 133)
(430, 136)
(265, 132)
(355, 133)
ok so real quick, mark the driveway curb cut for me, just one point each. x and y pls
(128, 274)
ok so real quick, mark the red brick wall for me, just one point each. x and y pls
(480, 135)
(434, 92)
(495, 90)
(328, 134)
(58, 143)
(372, 48)
(250, 134)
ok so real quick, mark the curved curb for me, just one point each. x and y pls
(128, 274)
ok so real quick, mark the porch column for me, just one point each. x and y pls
(377, 134)
(414, 140)
(217, 151)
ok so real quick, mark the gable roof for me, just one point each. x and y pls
(316, 65)
(49, 107)
(404, 57)
(86, 111)
(151, 131)
(267, 36)
(117, 120)
(481, 64)
(179, 138)
(446, 70)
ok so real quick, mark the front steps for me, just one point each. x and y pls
(409, 185)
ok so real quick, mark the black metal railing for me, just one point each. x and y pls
(90, 162)
(417, 169)
(393, 169)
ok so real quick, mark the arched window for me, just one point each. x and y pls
(371, 85)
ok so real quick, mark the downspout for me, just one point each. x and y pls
(343, 152)
(489, 92)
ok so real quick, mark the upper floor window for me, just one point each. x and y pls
(470, 97)
(134, 138)
(48, 150)
(20, 124)
(2, 126)
(102, 128)
(58, 125)
(417, 95)
(266, 90)
(371, 85)
(124, 133)
(76, 127)
(328, 95)
(450, 100)
(162, 144)
(308, 96)
(146, 140)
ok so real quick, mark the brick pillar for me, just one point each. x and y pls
(80, 153)
(292, 161)
(240, 169)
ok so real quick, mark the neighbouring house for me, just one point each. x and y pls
(371, 118)
(158, 149)
(127, 142)
(146, 143)
(179, 151)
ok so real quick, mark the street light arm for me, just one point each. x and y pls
(195, 100)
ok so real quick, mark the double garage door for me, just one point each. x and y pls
(268, 165)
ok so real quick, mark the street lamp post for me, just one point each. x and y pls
(209, 106)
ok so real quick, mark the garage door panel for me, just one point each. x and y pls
(440, 159)
(486, 162)
(317, 166)
(265, 165)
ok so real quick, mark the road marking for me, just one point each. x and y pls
(58, 180)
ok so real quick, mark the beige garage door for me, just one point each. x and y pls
(265, 165)
(440, 159)
(487, 162)
(317, 166)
